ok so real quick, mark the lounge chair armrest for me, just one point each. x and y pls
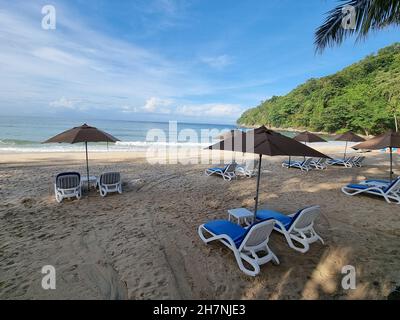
(222, 236)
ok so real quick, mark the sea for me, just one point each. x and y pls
(27, 134)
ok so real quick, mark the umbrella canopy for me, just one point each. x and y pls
(308, 137)
(263, 141)
(348, 136)
(389, 140)
(228, 134)
(84, 134)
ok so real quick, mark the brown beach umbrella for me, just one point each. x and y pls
(263, 141)
(228, 134)
(349, 136)
(389, 140)
(84, 134)
(308, 137)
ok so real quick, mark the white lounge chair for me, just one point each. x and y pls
(109, 182)
(348, 162)
(227, 172)
(320, 164)
(390, 192)
(358, 161)
(377, 182)
(67, 185)
(297, 227)
(246, 244)
(248, 169)
(303, 166)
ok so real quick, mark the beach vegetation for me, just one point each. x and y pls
(364, 97)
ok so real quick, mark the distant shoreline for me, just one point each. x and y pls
(286, 129)
(298, 130)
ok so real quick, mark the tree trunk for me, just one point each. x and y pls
(396, 122)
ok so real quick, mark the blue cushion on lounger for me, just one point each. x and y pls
(376, 180)
(366, 186)
(236, 232)
(358, 186)
(270, 214)
(233, 230)
(284, 219)
(215, 169)
(293, 162)
(391, 185)
(295, 217)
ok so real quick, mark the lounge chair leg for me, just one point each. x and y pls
(305, 246)
(274, 258)
(103, 192)
(239, 259)
(320, 239)
(59, 197)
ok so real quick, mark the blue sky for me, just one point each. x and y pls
(185, 60)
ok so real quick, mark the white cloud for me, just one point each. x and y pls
(218, 62)
(157, 105)
(48, 65)
(210, 110)
(168, 106)
(129, 109)
(152, 105)
(77, 67)
(63, 103)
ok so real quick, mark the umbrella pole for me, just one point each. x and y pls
(258, 188)
(345, 151)
(87, 167)
(391, 164)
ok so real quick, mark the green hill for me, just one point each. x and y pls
(363, 97)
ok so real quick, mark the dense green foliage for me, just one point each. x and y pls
(363, 97)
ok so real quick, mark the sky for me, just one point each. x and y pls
(202, 61)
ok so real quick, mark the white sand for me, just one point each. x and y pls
(144, 243)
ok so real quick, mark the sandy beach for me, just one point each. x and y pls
(143, 244)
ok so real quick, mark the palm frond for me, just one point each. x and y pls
(369, 15)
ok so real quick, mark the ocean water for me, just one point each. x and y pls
(26, 134)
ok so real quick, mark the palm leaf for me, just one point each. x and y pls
(370, 15)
